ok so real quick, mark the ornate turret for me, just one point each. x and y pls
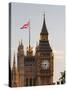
(20, 63)
(20, 48)
(15, 75)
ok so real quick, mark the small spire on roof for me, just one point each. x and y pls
(19, 43)
(14, 59)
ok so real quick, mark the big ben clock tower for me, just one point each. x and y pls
(44, 58)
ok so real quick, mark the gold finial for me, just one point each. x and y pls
(30, 51)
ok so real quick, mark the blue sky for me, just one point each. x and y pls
(55, 22)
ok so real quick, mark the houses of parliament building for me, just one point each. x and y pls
(33, 70)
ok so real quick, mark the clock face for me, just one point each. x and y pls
(45, 64)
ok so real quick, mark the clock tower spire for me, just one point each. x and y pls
(44, 28)
(44, 32)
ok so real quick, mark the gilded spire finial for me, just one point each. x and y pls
(30, 51)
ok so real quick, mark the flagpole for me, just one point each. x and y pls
(29, 35)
